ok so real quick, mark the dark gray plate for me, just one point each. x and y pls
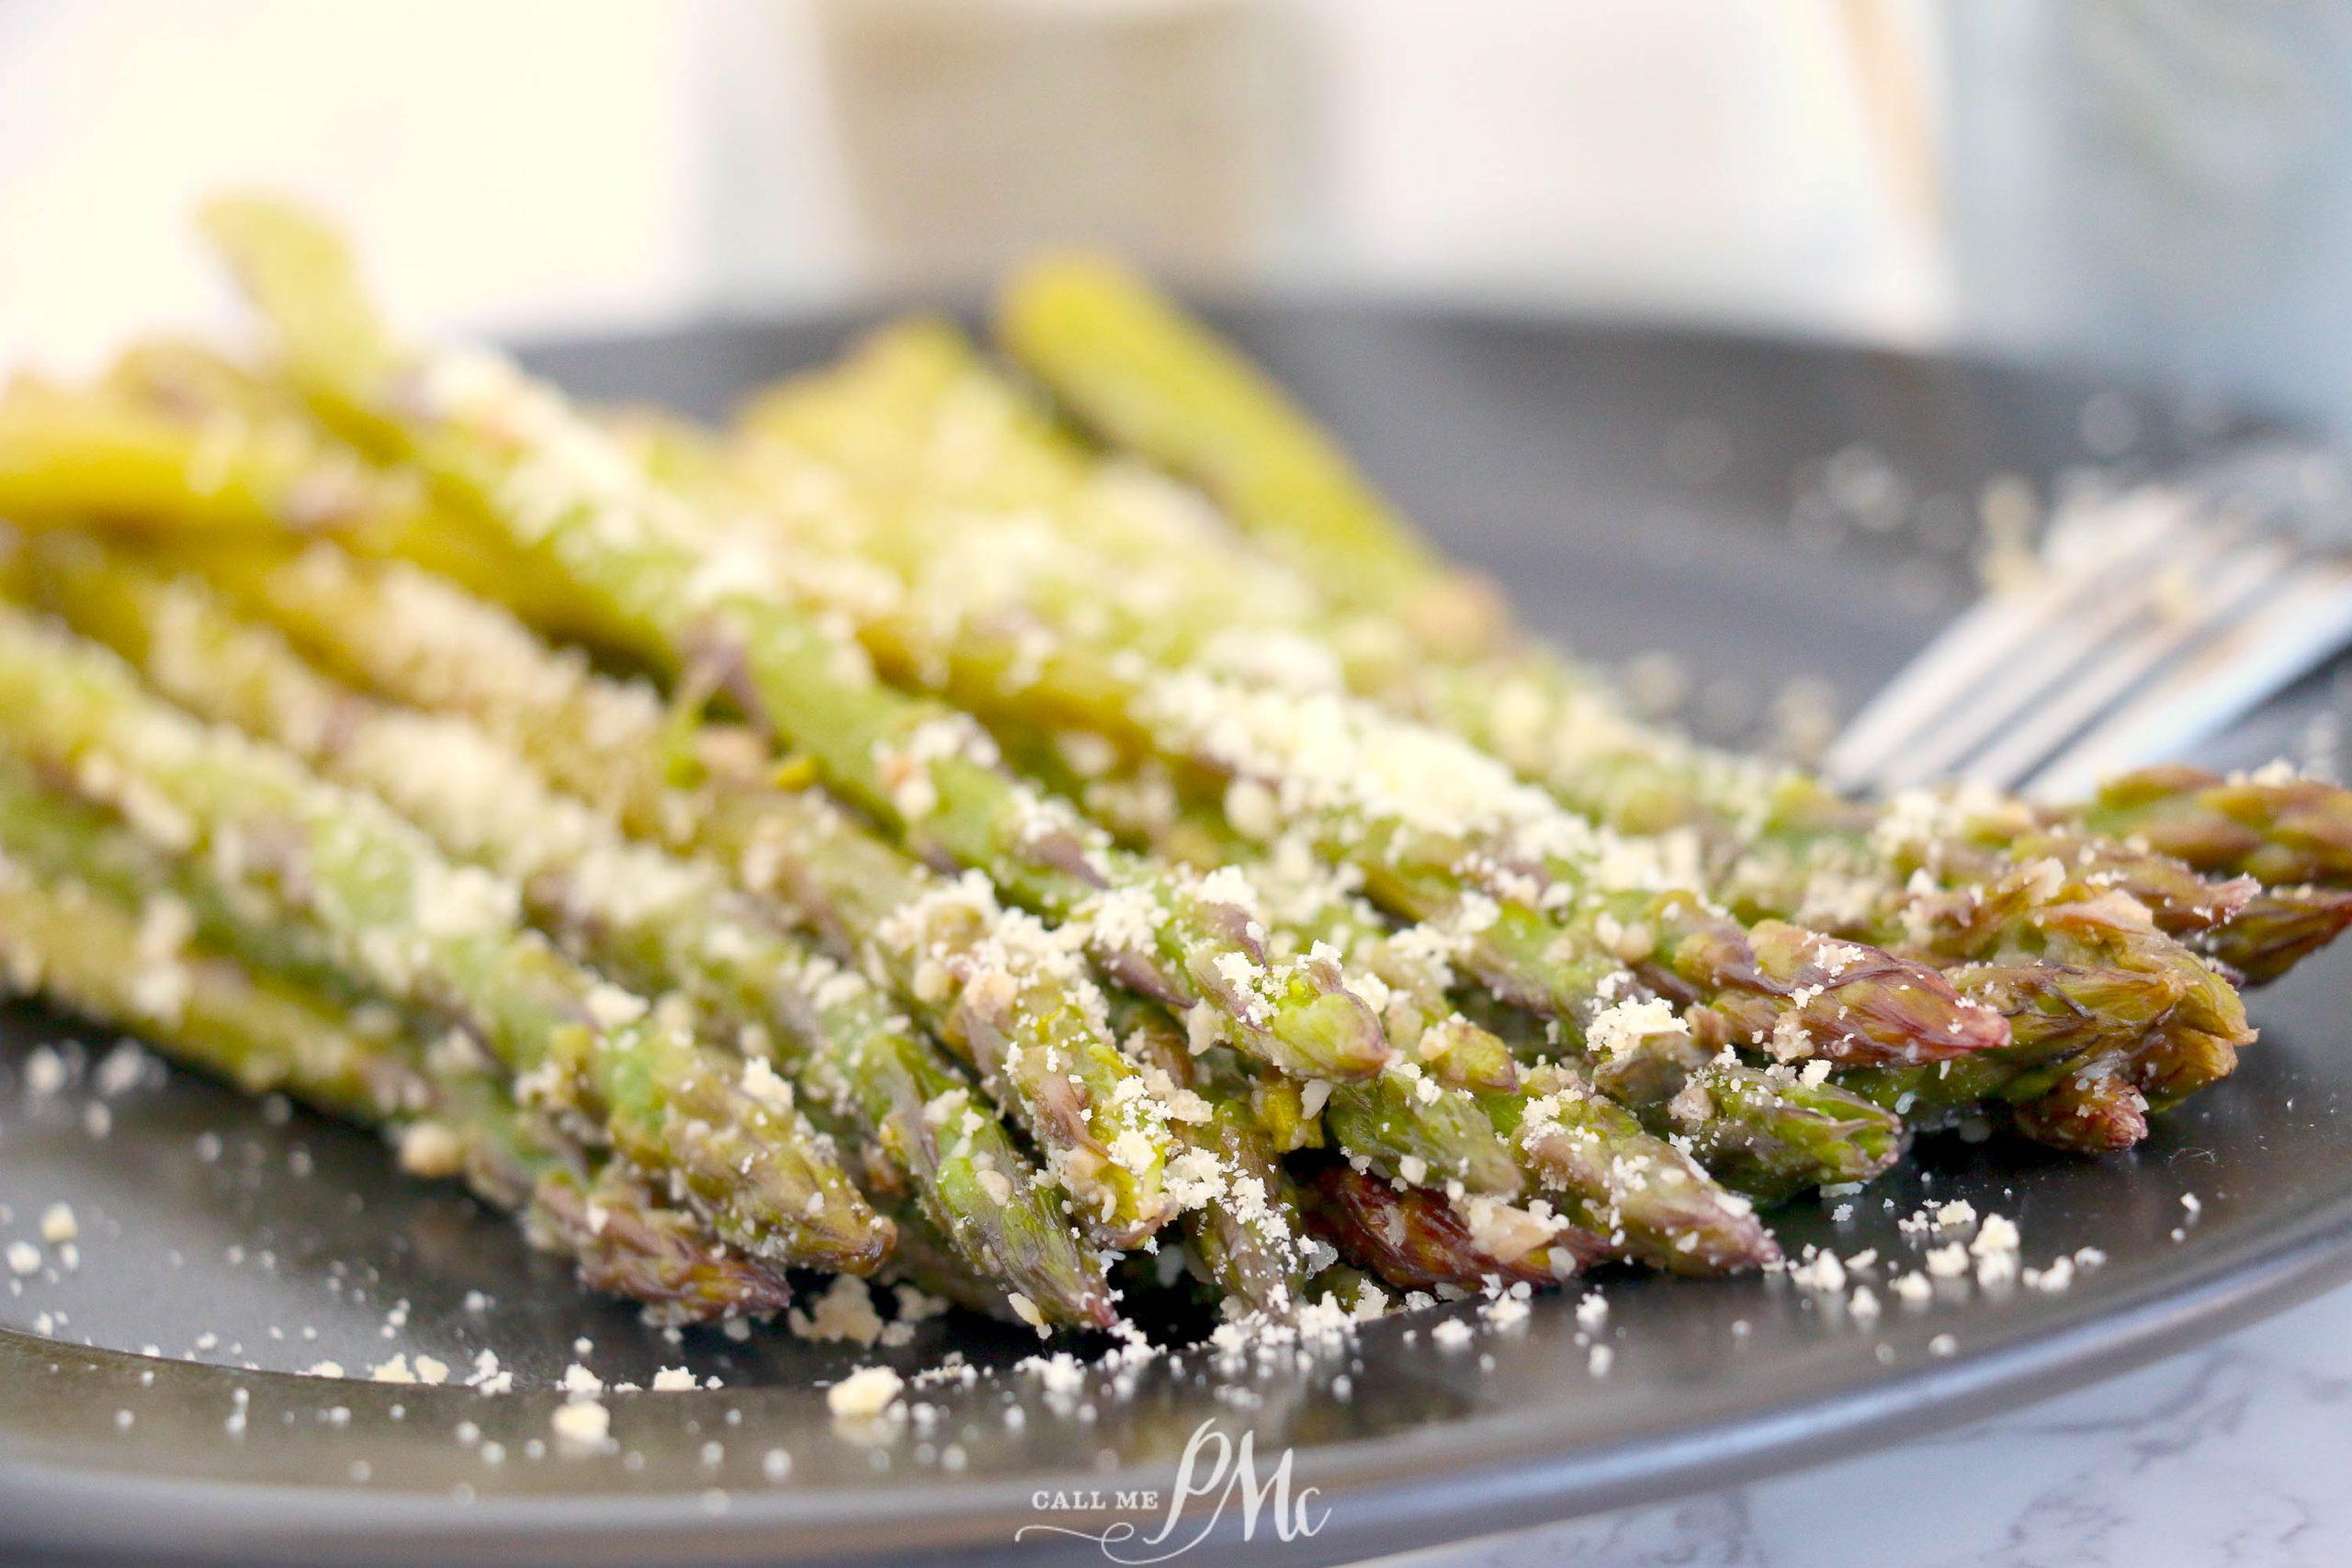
(1635, 490)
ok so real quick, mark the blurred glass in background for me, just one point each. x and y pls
(970, 129)
(2162, 186)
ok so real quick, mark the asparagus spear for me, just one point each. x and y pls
(67, 455)
(1387, 795)
(2278, 929)
(183, 441)
(997, 985)
(1771, 1125)
(1244, 1236)
(512, 454)
(601, 1213)
(1817, 862)
(1218, 424)
(2094, 1109)
(56, 838)
(1308, 903)
(1130, 363)
(1538, 904)
(69, 943)
(438, 935)
(2193, 1044)
(407, 632)
(1815, 856)
(251, 1000)
(916, 401)
(909, 368)
(425, 642)
(2059, 1014)
(1417, 1240)
(1420, 1132)
(1969, 839)
(648, 917)
(422, 641)
(1643, 1195)
(129, 967)
(2285, 832)
(1768, 1133)
(625, 1242)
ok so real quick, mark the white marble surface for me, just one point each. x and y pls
(2239, 1453)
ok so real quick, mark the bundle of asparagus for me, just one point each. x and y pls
(1006, 856)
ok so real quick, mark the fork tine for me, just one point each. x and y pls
(1994, 632)
(2235, 591)
(2087, 633)
(1950, 667)
(2220, 681)
(2087, 668)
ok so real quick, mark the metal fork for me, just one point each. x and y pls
(2152, 617)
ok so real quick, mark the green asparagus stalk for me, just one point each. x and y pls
(1640, 1193)
(438, 935)
(916, 401)
(2261, 934)
(1387, 796)
(182, 443)
(625, 1242)
(1244, 1238)
(1417, 1240)
(546, 482)
(2190, 1046)
(622, 1239)
(1223, 426)
(426, 643)
(2097, 1099)
(56, 838)
(68, 455)
(1454, 1145)
(1772, 1136)
(2059, 1014)
(2278, 929)
(1768, 1132)
(69, 943)
(1544, 1138)
(1134, 365)
(1974, 840)
(996, 985)
(1131, 363)
(905, 369)
(1389, 1122)
(2286, 832)
(647, 917)
(431, 645)
(1729, 1253)
(2094, 1109)
(420, 641)
(134, 970)
(1412, 1127)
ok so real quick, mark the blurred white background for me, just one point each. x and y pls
(2158, 183)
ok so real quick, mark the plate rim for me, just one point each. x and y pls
(1384, 1495)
